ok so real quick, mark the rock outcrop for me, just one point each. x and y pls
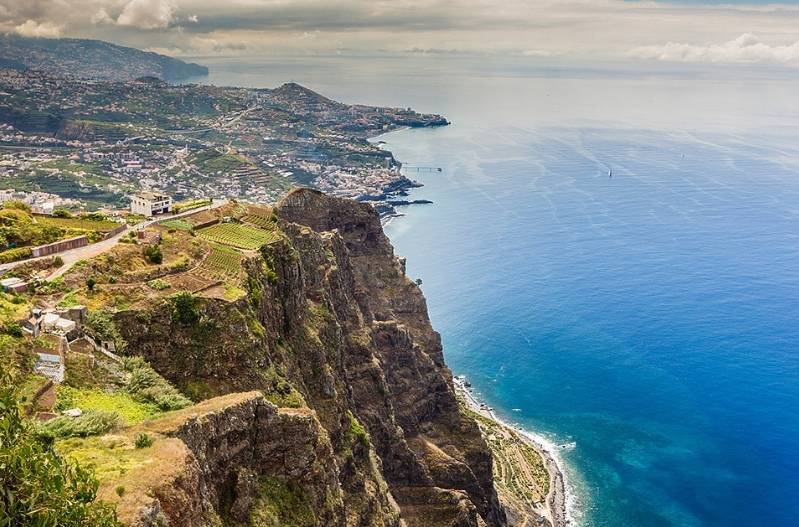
(358, 413)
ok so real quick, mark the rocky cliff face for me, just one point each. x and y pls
(333, 333)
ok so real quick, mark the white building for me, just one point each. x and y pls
(150, 203)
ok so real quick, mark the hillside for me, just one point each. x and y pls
(320, 392)
(91, 59)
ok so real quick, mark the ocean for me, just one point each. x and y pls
(612, 259)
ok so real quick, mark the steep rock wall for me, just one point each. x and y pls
(332, 325)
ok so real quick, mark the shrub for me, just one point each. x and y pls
(153, 254)
(12, 328)
(12, 255)
(143, 441)
(101, 326)
(61, 213)
(58, 261)
(120, 490)
(158, 284)
(17, 205)
(184, 308)
(147, 386)
(357, 431)
(90, 423)
(90, 283)
(40, 487)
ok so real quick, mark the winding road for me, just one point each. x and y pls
(72, 256)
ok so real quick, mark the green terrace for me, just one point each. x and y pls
(237, 235)
(20, 230)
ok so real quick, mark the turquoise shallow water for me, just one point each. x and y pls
(648, 320)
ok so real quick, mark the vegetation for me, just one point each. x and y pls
(281, 504)
(84, 223)
(123, 404)
(178, 224)
(147, 386)
(357, 431)
(89, 423)
(184, 308)
(152, 254)
(39, 487)
(222, 262)
(143, 441)
(158, 284)
(191, 204)
(237, 235)
(12, 255)
(101, 327)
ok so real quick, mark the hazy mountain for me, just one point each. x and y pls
(91, 59)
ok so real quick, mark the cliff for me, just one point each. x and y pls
(326, 397)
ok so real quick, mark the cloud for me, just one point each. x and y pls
(582, 29)
(31, 28)
(746, 48)
(102, 17)
(147, 14)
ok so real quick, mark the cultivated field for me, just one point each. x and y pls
(237, 235)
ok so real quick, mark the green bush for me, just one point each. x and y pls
(58, 261)
(100, 326)
(12, 255)
(147, 386)
(357, 431)
(143, 441)
(39, 487)
(17, 205)
(91, 423)
(11, 328)
(153, 254)
(184, 308)
(158, 284)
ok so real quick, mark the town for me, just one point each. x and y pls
(104, 141)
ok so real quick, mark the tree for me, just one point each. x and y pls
(184, 308)
(90, 283)
(17, 204)
(61, 213)
(39, 487)
(153, 254)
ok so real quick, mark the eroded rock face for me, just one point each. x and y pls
(330, 324)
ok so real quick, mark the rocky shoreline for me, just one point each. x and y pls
(555, 507)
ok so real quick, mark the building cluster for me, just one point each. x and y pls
(117, 138)
(40, 202)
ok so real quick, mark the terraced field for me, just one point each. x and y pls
(259, 220)
(519, 472)
(222, 263)
(237, 235)
(179, 224)
(77, 223)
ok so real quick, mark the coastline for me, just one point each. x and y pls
(556, 508)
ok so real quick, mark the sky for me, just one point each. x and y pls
(744, 31)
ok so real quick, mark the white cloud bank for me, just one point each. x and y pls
(147, 14)
(746, 48)
(31, 28)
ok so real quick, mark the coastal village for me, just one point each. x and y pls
(107, 140)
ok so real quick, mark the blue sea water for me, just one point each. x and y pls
(649, 320)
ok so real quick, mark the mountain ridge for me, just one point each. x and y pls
(91, 59)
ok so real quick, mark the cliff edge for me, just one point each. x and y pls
(325, 399)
